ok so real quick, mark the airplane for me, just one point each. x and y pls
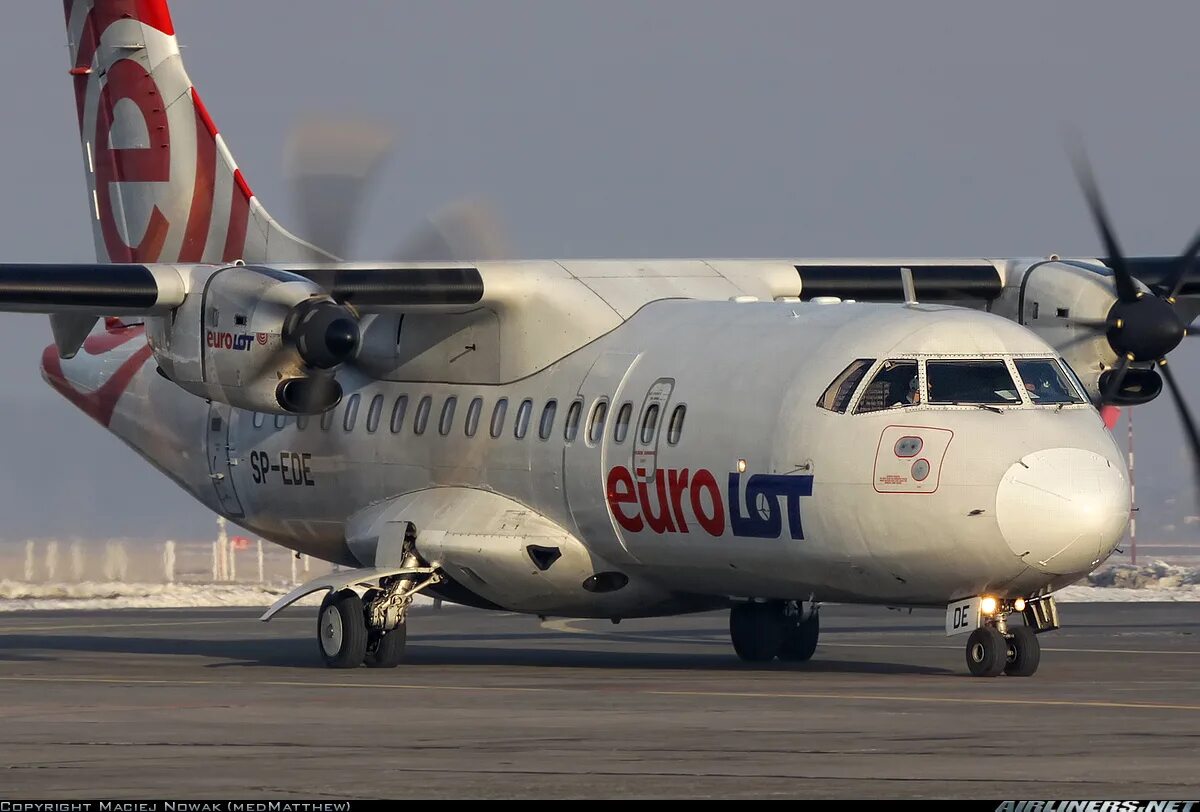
(595, 438)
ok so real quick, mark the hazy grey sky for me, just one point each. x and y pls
(648, 128)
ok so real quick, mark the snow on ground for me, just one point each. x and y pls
(16, 596)
(1156, 581)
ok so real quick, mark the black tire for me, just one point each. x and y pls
(987, 652)
(757, 631)
(1024, 653)
(800, 640)
(386, 649)
(342, 630)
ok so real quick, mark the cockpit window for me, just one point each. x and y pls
(1045, 382)
(970, 382)
(895, 384)
(837, 396)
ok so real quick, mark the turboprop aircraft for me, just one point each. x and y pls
(586, 438)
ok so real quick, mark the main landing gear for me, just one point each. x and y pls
(785, 629)
(996, 648)
(372, 630)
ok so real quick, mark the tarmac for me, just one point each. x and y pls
(211, 703)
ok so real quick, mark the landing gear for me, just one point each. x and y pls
(342, 630)
(987, 652)
(800, 640)
(763, 631)
(996, 648)
(386, 649)
(1024, 652)
(370, 630)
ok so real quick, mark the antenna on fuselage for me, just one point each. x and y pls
(910, 289)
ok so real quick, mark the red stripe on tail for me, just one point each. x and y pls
(200, 216)
(239, 220)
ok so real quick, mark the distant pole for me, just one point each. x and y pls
(261, 564)
(77, 561)
(1132, 495)
(51, 560)
(292, 558)
(306, 562)
(223, 550)
(29, 553)
(216, 562)
(169, 561)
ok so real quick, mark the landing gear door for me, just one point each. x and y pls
(588, 458)
(221, 458)
(648, 429)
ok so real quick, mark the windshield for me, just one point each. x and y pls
(896, 384)
(1045, 382)
(970, 382)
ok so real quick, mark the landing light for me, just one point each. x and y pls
(988, 605)
(1019, 605)
(741, 466)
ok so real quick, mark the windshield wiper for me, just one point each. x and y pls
(979, 406)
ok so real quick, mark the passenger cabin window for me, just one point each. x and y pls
(596, 421)
(351, 413)
(301, 421)
(398, 410)
(1045, 382)
(970, 382)
(524, 412)
(896, 384)
(650, 423)
(327, 420)
(374, 413)
(447, 420)
(546, 424)
(571, 429)
(280, 421)
(473, 413)
(422, 418)
(259, 419)
(621, 427)
(837, 397)
(675, 429)
(498, 413)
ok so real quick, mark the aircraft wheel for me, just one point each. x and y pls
(342, 630)
(1025, 653)
(987, 652)
(386, 649)
(800, 640)
(757, 631)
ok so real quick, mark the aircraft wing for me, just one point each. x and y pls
(117, 290)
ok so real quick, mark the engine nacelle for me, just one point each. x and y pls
(1057, 299)
(258, 339)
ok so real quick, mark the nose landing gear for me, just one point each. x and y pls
(994, 648)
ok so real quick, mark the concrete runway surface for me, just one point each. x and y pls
(212, 703)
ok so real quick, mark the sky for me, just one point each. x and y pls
(637, 129)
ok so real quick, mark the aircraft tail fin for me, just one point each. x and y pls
(163, 185)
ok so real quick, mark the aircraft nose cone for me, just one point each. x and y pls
(1063, 509)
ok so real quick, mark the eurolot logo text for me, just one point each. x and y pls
(233, 341)
(673, 499)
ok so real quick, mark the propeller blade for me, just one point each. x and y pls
(330, 164)
(1126, 287)
(1185, 416)
(1115, 381)
(465, 231)
(1187, 261)
(1094, 325)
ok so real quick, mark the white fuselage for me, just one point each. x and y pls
(760, 492)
